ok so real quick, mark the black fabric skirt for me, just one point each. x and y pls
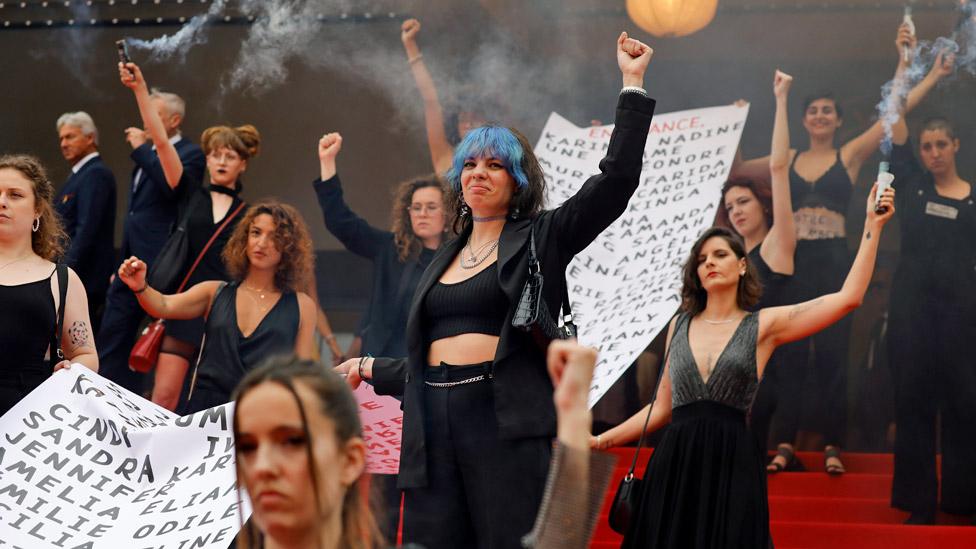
(705, 485)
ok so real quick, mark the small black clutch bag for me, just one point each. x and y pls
(532, 315)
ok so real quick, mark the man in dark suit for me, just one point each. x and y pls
(86, 205)
(152, 213)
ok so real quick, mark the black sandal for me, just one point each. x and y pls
(787, 453)
(833, 469)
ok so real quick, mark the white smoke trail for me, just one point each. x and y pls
(962, 44)
(178, 44)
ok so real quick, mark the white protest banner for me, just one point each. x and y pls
(625, 286)
(85, 464)
(382, 422)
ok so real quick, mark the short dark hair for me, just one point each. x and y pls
(824, 94)
(693, 295)
(938, 123)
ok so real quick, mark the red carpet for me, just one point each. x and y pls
(814, 510)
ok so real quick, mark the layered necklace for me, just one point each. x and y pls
(262, 305)
(472, 258)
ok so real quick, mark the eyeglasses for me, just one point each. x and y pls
(417, 209)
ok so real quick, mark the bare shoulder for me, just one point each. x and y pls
(305, 301)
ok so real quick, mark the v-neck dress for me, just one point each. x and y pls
(228, 356)
(705, 483)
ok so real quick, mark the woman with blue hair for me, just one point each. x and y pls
(478, 415)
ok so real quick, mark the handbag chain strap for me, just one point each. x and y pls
(640, 441)
(534, 267)
(210, 242)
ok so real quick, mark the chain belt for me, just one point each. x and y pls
(448, 384)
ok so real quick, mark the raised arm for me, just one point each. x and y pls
(604, 197)
(441, 150)
(780, 243)
(779, 325)
(630, 429)
(355, 233)
(858, 150)
(132, 78)
(192, 303)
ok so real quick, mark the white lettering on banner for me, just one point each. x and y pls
(626, 285)
(382, 422)
(85, 463)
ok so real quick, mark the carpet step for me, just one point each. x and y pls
(822, 485)
(830, 535)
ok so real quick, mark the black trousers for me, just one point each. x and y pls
(930, 350)
(821, 267)
(481, 491)
(117, 335)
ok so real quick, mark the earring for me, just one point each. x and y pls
(36, 225)
(463, 210)
(515, 213)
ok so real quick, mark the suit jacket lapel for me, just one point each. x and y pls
(515, 235)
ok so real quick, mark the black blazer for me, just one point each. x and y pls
(153, 205)
(384, 335)
(521, 385)
(86, 205)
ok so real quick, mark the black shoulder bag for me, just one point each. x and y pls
(167, 269)
(626, 502)
(532, 315)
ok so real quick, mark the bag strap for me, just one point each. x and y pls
(56, 354)
(203, 343)
(640, 441)
(210, 242)
(534, 267)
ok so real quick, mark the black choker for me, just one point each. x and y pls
(489, 218)
(226, 190)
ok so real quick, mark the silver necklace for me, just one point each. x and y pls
(726, 321)
(21, 258)
(471, 259)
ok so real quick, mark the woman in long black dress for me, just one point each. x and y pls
(705, 484)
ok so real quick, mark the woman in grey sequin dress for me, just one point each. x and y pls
(705, 485)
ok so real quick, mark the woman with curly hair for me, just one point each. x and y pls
(31, 239)
(399, 258)
(269, 255)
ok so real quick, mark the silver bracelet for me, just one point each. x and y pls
(634, 89)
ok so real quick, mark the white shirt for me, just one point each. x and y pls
(81, 163)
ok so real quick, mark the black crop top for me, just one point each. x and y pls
(476, 305)
(832, 190)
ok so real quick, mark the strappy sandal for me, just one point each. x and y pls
(789, 455)
(833, 468)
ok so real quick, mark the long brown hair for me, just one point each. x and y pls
(291, 237)
(336, 402)
(693, 295)
(406, 242)
(50, 239)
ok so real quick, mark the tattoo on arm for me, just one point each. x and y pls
(868, 236)
(80, 334)
(803, 307)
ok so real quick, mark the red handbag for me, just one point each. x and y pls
(145, 352)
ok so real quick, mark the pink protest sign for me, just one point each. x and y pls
(382, 428)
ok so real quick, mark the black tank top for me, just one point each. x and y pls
(832, 190)
(228, 355)
(774, 285)
(476, 305)
(27, 322)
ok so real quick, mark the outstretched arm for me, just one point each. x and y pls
(779, 325)
(132, 78)
(780, 243)
(630, 429)
(441, 150)
(192, 303)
